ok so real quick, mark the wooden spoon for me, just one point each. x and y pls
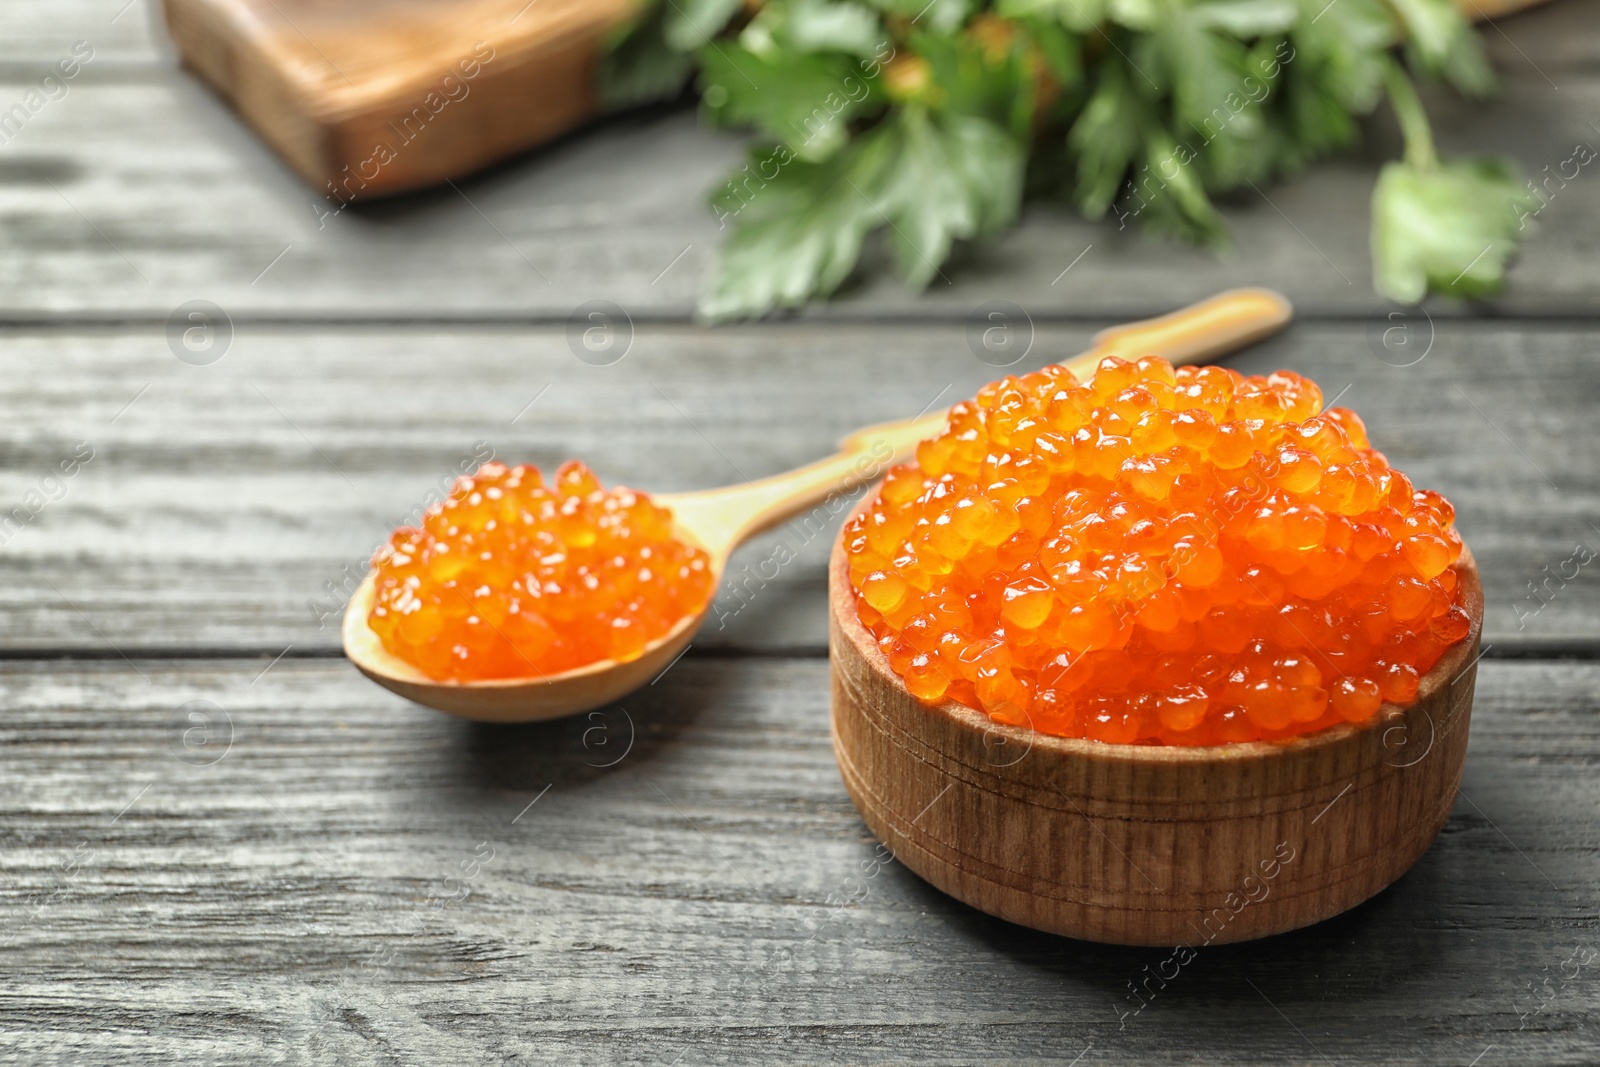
(719, 520)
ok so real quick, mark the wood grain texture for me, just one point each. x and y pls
(608, 212)
(711, 896)
(33, 29)
(376, 97)
(223, 500)
(1146, 845)
(132, 32)
(349, 93)
(125, 36)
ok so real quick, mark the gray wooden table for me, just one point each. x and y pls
(221, 845)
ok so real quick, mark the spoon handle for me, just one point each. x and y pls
(1214, 327)
(723, 518)
(1221, 324)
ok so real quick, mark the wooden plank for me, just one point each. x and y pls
(348, 93)
(133, 30)
(710, 897)
(125, 35)
(352, 94)
(222, 500)
(617, 213)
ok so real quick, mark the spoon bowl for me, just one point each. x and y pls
(719, 520)
(532, 699)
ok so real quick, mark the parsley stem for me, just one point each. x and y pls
(1413, 119)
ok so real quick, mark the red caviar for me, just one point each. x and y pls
(513, 578)
(1160, 556)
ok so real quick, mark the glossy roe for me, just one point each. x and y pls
(513, 578)
(1185, 557)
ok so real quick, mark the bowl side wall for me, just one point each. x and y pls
(1150, 845)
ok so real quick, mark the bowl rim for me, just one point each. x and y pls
(1449, 667)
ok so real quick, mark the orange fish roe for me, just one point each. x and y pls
(1185, 557)
(513, 578)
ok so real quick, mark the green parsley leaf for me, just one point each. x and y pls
(967, 80)
(1058, 46)
(918, 118)
(803, 100)
(1339, 52)
(1106, 137)
(1317, 120)
(1080, 16)
(638, 66)
(798, 228)
(1451, 228)
(814, 26)
(820, 26)
(1439, 41)
(691, 24)
(939, 16)
(1168, 195)
(1144, 15)
(1210, 97)
(1245, 19)
(1467, 69)
(957, 176)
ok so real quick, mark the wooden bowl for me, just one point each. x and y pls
(1140, 844)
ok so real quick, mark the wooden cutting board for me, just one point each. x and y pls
(369, 97)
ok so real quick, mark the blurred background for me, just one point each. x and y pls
(225, 383)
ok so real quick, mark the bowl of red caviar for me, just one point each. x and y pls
(1167, 657)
